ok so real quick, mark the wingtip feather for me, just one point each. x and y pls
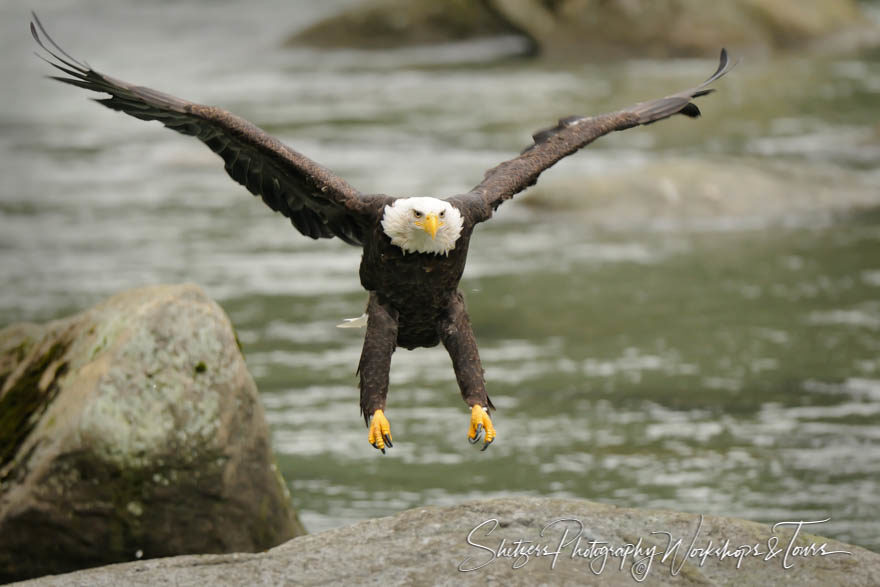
(37, 24)
(724, 67)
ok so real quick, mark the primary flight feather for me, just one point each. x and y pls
(414, 249)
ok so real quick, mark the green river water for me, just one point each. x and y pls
(685, 316)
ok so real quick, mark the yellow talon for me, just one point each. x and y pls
(480, 421)
(380, 431)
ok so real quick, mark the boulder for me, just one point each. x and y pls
(133, 430)
(598, 29)
(511, 541)
(400, 23)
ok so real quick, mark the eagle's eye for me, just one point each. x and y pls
(442, 213)
(417, 214)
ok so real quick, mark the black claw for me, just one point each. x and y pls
(388, 440)
(383, 450)
(477, 436)
(485, 446)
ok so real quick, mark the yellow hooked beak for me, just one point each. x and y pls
(431, 224)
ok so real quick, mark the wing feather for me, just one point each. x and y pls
(572, 134)
(318, 203)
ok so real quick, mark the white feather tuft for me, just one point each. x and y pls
(358, 322)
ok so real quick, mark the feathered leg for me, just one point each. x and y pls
(458, 338)
(375, 364)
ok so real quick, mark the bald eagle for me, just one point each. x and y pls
(414, 248)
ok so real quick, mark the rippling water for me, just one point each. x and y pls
(699, 330)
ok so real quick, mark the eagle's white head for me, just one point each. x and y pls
(422, 225)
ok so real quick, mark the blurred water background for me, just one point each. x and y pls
(684, 316)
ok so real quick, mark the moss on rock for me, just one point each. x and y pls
(31, 387)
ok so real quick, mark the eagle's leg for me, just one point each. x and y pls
(379, 344)
(458, 338)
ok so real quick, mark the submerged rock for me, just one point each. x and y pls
(597, 29)
(132, 430)
(510, 541)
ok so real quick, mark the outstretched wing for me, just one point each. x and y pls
(319, 203)
(571, 134)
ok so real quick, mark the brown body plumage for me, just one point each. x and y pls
(414, 300)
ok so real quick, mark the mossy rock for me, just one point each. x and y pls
(133, 430)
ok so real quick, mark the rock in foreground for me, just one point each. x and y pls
(132, 430)
(430, 546)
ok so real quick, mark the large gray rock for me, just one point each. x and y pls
(598, 29)
(438, 546)
(132, 430)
